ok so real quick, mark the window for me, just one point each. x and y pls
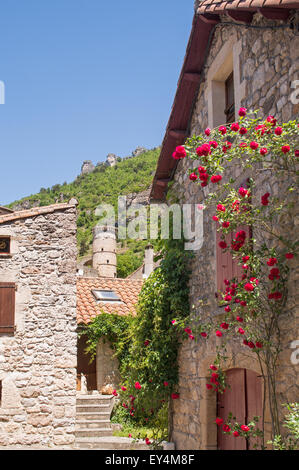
(229, 99)
(106, 295)
(4, 245)
(7, 307)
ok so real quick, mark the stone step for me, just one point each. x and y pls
(109, 443)
(95, 400)
(98, 415)
(93, 408)
(91, 424)
(93, 433)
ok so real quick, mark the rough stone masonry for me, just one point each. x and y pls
(38, 361)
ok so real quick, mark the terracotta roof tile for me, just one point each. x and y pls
(218, 6)
(87, 307)
(24, 214)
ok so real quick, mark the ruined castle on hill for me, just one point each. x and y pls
(111, 160)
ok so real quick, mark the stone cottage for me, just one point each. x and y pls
(38, 339)
(240, 53)
(100, 291)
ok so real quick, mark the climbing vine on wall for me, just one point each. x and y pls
(147, 345)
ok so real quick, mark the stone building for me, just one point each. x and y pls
(239, 54)
(100, 291)
(38, 339)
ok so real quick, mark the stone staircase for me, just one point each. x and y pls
(93, 426)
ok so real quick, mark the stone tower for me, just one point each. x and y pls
(104, 250)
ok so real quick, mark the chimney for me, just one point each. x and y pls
(148, 261)
(104, 250)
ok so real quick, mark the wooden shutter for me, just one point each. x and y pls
(244, 400)
(230, 99)
(226, 266)
(7, 307)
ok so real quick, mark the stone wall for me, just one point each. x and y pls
(267, 64)
(38, 362)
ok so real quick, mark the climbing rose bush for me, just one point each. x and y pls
(254, 300)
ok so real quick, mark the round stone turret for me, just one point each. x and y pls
(104, 250)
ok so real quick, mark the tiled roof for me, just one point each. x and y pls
(87, 306)
(24, 214)
(219, 6)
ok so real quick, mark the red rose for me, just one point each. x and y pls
(218, 333)
(258, 344)
(243, 145)
(137, 386)
(249, 287)
(251, 345)
(123, 388)
(235, 126)
(253, 145)
(243, 303)
(242, 111)
(208, 131)
(213, 367)
(222, 129)
(271, 261)
(146, 342)
(296, 153)
(228, 298)
(219, 421)
(180, 152)
(264, 199)
(115, 393)
(227, 308)
(206, 149)
(226, 428)
(193, 176)
(188, 330)
(242, 191)
(213, 144)
(272, 120)
(243, 131)
(236, 434)
(239, 319)
(241, 331)
(263, 151)
(216, 178)
(289, 255)
(209, 386)
(221, 208)
(203, 334)
(175, 396)
(225, 224)
(278, 130)
(215, 218)
(191, 337)
(224, 326)
(285, 148)
(165, 384)
(222, 244)
(245, 258)
(244, 428)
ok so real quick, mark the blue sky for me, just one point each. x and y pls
(84, 78)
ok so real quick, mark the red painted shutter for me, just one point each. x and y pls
(227, 267)
(254, 400)
(233, 400)
(7, 307)
(244, 400)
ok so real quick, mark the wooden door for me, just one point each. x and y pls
(244, 400)
(85, 366)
